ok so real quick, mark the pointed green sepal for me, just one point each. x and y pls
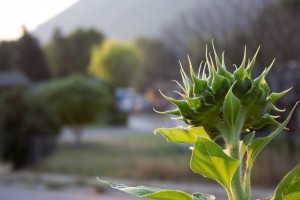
(241, 87)
(277, 109)
(232, 109)
(252, 62)
(275, 96)
(241, 72)
(254, 93)
(198, 86)
(168, 112)
(182, 106)
(196, 103)
(219, 86)
(186, 81)
(264, 120)
(220, 66)
(266, 89)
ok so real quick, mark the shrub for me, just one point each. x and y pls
(77, 101)
(22, 120)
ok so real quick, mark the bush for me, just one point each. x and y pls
(78, 101)
(22, 121)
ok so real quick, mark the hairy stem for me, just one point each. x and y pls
(247, 185)
(229, 194)
(236, 184)
(233, 147)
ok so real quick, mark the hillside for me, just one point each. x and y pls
(118, 18)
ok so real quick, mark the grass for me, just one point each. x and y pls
(151, 157)
(139, 156)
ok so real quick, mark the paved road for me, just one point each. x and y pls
(23, 193)
(14, 193)
(137, 124)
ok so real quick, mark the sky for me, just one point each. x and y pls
(31, 13)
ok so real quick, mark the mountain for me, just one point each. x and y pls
(121, 19)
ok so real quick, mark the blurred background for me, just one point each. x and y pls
(79, 79)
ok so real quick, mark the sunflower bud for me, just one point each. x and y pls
(225, 103)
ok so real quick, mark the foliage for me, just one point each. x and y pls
(157, 63)
(71, 53)
(57, 55)
(30, 59)
(116, 63)
(216, 103)
(77, 100)
(6, 55)
(22, 121)
(282, 21)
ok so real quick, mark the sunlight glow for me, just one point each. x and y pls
(31, 13)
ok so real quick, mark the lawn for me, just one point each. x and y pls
(139, 156)
(146, 156)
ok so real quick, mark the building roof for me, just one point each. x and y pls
(13, 78)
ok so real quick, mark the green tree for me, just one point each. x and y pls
(158, 62)
(116, 63)
(277, 28)
(76, 101)
(30, 59)
(22, 120)
(80, 42)
(71, 54)
(57, 54)
(6, 55)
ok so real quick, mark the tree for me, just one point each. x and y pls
(159, 62)
(58, 56)
(76, 101)
(71, 54)
(209, 20)
(22, 121)
(80, 42)
(7, 55)
(30, 59)
(277, 29)
(116, 63)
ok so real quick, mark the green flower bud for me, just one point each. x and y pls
(224, 102)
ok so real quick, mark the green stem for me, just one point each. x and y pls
(236, 184)
(247, 187)
(230, 195)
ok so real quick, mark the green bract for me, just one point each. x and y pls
(217, 103)
(219, 100)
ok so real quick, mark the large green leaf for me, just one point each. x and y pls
(259, 143)
(157, 193)
(182, 135)
(209, 160)
(289, 187)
